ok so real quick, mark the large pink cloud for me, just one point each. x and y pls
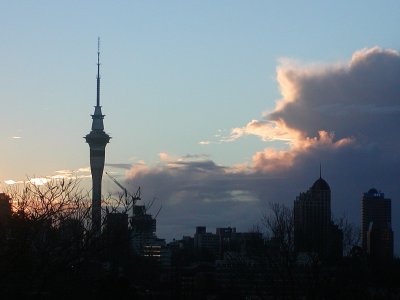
(358, 98)
(356, 101)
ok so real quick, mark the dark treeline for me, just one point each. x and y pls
(48, 251)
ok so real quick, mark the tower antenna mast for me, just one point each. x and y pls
(98, 72)
(320, 170)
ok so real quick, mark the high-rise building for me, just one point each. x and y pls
(206, 242)
(376, 227)
(314, 231)
(143, 233)
(97, 140)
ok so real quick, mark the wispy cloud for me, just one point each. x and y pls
(267, 131)
(117, 166)
(11, 182)
(39, 180)
(80, 173)
(65, 172)
(84, 170)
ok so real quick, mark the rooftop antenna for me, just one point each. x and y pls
(98, 72)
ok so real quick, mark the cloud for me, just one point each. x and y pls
(266, 130)
(59, 174)
(195, 191)
(71, 174)
(359, 98)
(11, 182)
(330, 106)
(64, 172)
(344, 115)
(39, 180)
(278, 160)
(34, 180)
(117, 166)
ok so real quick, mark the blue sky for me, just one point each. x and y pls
(174, 73)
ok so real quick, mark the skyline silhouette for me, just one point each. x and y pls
(49, 249)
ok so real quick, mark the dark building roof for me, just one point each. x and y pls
(320, 184)
(374, 193)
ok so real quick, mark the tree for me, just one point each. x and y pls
(278, 223)
(351, 234)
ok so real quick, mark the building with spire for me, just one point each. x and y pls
(314, 231)
(97, 140)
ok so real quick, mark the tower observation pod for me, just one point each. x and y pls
(97, 140)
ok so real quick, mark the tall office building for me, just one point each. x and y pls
(314, 231)
(206, 242)
(143, 234)
(97, 140)
(376, 227)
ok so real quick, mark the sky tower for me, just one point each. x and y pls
(97, 140)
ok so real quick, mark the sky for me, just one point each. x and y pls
(215, 108)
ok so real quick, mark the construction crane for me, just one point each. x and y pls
(151, 204)
(134, 197)
(156, 215)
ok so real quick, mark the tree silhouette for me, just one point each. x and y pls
(278, 223)
(49, 248)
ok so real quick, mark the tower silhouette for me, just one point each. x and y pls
(97, 140)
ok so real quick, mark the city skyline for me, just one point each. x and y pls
(205, 114)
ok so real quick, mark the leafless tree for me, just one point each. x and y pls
(351, 234)
(54, 201)
(50, 234)
(278, 222)
(279, 226)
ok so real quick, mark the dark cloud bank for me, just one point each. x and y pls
(346, 116)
